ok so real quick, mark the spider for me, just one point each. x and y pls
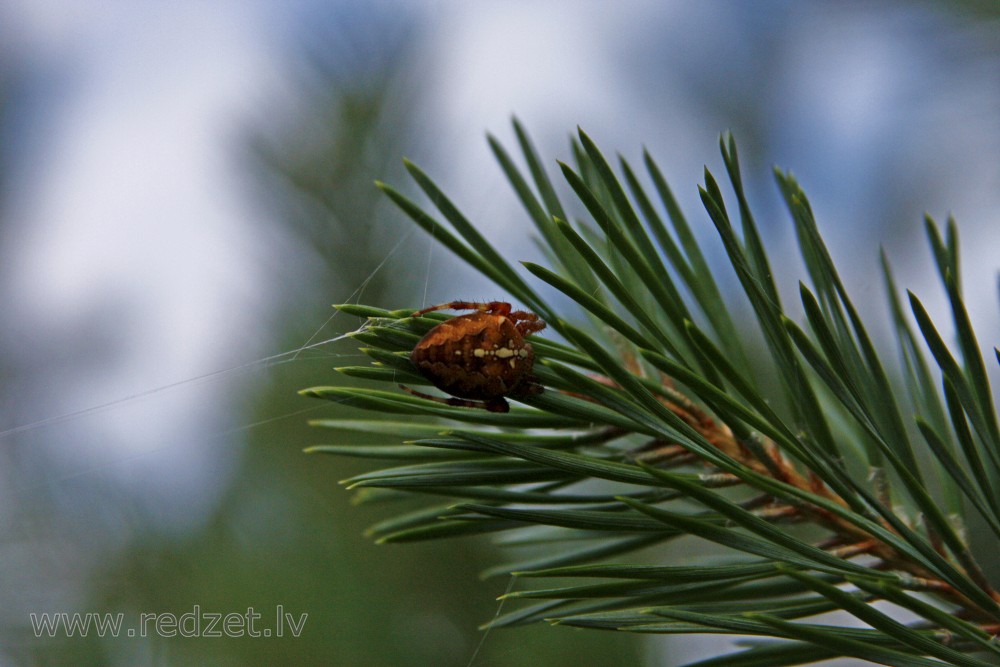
(479, 358)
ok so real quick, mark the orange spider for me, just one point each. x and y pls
(479, 358)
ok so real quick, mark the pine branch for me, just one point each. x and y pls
(653, 426)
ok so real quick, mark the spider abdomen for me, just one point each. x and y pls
(479, 356)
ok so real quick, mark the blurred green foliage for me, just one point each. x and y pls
(284, 532)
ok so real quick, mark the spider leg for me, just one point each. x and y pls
(493, 405)
(526, 323)
(497, 307)
(529, 386)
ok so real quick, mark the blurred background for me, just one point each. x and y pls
(186, 187)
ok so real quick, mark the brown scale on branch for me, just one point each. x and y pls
(847, 540)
